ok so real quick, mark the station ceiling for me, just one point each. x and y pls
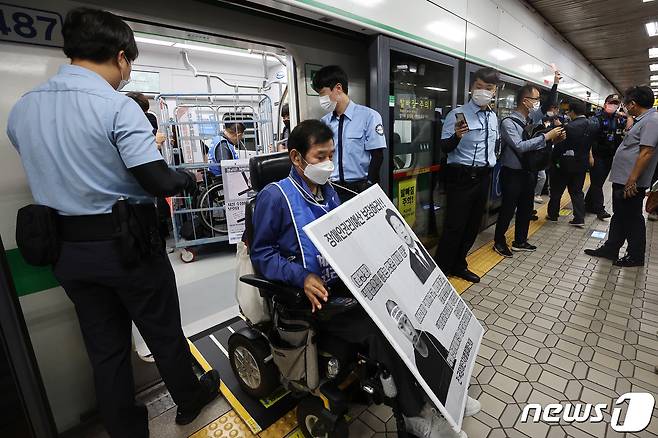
(611, 34)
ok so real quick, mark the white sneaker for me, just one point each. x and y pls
(472, 407)
(431, 424)
(435, 427)
(539, 199)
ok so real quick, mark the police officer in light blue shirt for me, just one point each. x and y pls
(90, 156)
(469, 137)
(358, 133)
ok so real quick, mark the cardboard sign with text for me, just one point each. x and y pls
(237, 190)
(380, 259)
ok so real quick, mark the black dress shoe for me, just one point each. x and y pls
(502, 249)
(577, 223)
(209, 391)
(534, 217)
(603, 215)
(467, 275)
(601, 252)
(551, 218)
(628, 262)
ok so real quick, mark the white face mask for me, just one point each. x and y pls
(123, 81)
(319, 173)
(327, 104)
(550, 113)
(536, 106)
(482, 97)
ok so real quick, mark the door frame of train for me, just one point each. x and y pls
(16, 343)
(380, 74)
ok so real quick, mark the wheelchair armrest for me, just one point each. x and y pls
(285, 294)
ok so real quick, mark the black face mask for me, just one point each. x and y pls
(287, 123)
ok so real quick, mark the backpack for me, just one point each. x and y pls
(535, 160)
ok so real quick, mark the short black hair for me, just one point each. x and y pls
(285, 110)
(578, 108)
(329, 76)
(96, 35)
(141, 100)
(488, 75)
(524, 92)
(308, 133)
(234, 122)
(640, 94)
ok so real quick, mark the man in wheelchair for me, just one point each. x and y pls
(281, 252)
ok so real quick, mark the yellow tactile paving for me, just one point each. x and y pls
(282, 427)
(483, 259)
(228, 425)
(231, 425)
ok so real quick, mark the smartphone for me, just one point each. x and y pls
(461, 119)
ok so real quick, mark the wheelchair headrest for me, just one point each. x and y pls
(265, 169)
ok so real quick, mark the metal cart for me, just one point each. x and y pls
(191, 122)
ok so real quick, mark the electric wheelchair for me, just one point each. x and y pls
(284, 348)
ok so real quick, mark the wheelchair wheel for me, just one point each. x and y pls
(214, 221)
(257, 377)
(314, 424)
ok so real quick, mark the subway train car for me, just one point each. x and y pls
(560, 328)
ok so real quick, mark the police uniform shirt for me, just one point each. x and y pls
(362, 131)
(478, 146)
(77, 138)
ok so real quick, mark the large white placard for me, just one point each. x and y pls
(390, 273)
(237, 190)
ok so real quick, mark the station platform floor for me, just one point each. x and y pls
(561, 327)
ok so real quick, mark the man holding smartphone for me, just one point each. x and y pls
(469, 138)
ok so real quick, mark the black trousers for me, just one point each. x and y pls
(627, 223)
(574, 182)
(108, 297)
(467, 195)
(518, 189)
(594, 199)
(356, 327)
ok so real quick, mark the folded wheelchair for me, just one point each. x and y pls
(282, 346)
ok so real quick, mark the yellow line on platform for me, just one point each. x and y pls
(483, 259)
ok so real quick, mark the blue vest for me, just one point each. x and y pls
(303, 211)
(219, 141)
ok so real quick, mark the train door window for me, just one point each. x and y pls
(421, 95)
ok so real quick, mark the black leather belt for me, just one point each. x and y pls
(99, 227)
(472, 171)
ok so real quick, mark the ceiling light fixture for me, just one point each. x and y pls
(448, 30)
(653, 67)
(435, 89)
(153, 41)
(653, 52)
(653, 78)
(200, 48)
(654, 84)
(652, 28)
(501, 55)
(532, 68)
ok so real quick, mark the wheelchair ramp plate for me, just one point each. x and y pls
(210, 349)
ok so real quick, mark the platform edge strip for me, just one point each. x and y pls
(226, 392)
